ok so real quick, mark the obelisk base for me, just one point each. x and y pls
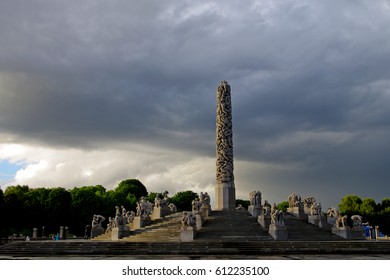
(225, 196)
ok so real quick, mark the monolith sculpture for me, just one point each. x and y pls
(225, 192)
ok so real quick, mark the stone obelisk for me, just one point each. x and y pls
(225, 192)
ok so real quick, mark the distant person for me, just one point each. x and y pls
(87, 232)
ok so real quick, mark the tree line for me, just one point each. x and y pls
(23, 208)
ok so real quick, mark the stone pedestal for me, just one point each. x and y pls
(66, 232)
(160, 212)
(117, 233)
(307, 210)
(331, 220)
(278, 232)
(318, 221)
(255, 211)
(140, 222)
(35, 233)
(297, 212)
(344, 232)
(199, 221)
(225, 196)
(61, 232)
(358, 233)
(187, 234)
(264, 221)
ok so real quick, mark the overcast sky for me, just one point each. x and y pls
(94, 92)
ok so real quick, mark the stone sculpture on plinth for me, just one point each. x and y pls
(161, 207)
(295, 206)
(97, 227)
(265, 218)
(142, 217)
(277, 228)
(204, 198)
(357, 231)
(188, 227)
(119, 226)
(255, 208)
(316, 216)
(225, 192)
(331, 215)
(308, 202)
(341, 228)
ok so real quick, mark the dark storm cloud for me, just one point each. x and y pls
(309, 80)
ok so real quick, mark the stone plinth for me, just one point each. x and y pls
(331, 220)
(225, 196)
(35, 233)
(358, 233)
(140, 222)
(318, 220)
(117, 233)
(297, 212)
(160, 212)
(199, 221)
(307, 210)
(344, 232)
(120, 232)
(264, 221)
(255, 211)
(205, 210)
(278, 232)
(187, 234)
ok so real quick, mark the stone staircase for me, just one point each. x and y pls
(232, 226)
(301, 230)
(225, 234)
(166, 229)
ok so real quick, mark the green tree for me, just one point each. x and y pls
(183, 200)
(368, 207)
(59, 204)
(86, 202)
(132, 186)
(282, 206)
(152, 196)
(14, 198)
(385, 203)
(1, 197)
(350, 205)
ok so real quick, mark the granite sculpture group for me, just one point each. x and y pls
(269, 217)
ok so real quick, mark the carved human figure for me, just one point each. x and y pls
(357, 220)
(97, 221)
(277, 218)
(252, 198)
(258, 199)
(274, 208)
(187, 220)
(341, 222)
(110, 225)
(172, 208)
(118, 217)
(266, 208)
(206, 198)
(294, 200)
(309, 201)
(332, 212)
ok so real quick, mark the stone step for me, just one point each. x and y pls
(249, 248)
